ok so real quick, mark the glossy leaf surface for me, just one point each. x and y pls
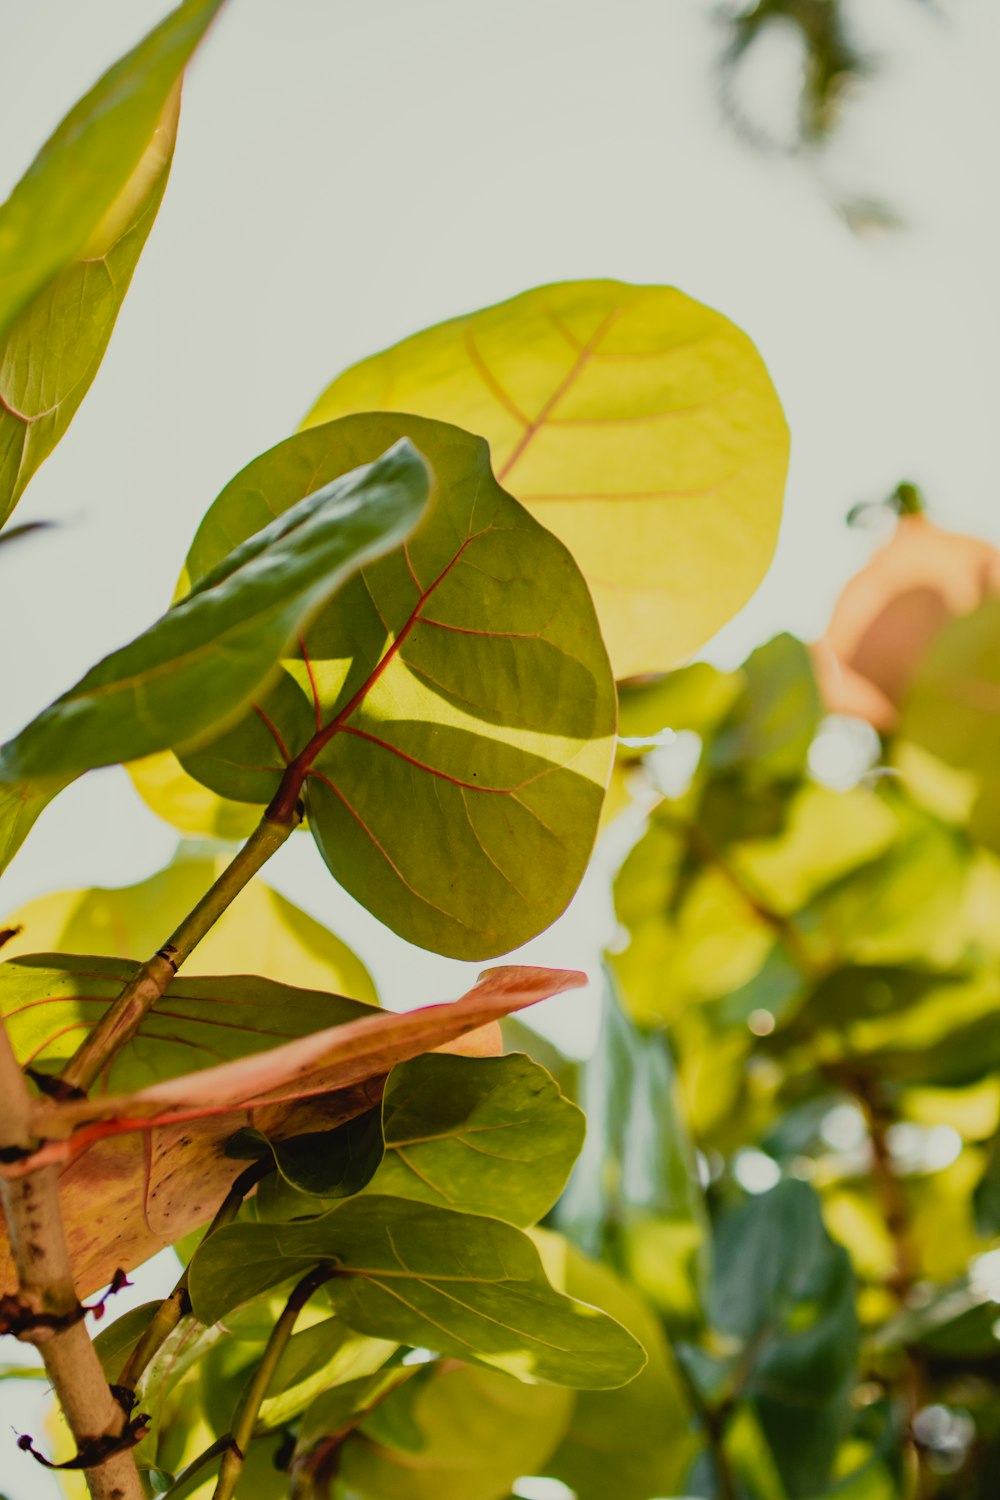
(638, 425)
(203, 659)
(471, 1287)
(454, 703)
(489, 1135)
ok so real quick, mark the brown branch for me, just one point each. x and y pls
(46, 1292)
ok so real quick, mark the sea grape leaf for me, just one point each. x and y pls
(786, 1292)
(262, 933)
(201, 661)
(489, 1135)
(142, 1179)
(465, 1434)
(454, 702)
(468, 1286)
(51, 351)
(85, 166)
(639, 426)
(636, 1441)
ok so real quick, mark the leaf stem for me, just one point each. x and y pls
(248, 1410)
(177, 1306)
(121, 1020)
(45, 1286)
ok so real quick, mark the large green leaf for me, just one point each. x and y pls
(201, 661)
(465, 1285)
(52, 349)
(786, 1292)
(261, 933)
(454, 703)
(77, 177)
(638, 425)
(455, 1434)
(490, 1135)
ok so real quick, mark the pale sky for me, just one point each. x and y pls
(348, 173)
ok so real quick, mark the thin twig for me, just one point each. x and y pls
(123, 1017)
(245, 1417)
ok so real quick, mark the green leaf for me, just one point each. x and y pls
(786, 1292)
(636, 1441)
(53, 348)
(203, 659)
(455, 1434)
(261, 933)
(326, 1355)
(328, 1164)
(85, 165)
(489, 1135)
(467, 1286)
(454, 702)
(636, 424)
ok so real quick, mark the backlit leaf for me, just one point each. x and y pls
(454, 702)
(261, 933)
(469, 1286)
(52, 349)
(77, 177)
(634, 1442)
(638, 425)
(470, 1434)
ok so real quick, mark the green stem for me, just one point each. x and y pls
(195, 1466)
(121, 1020)
(177, 1306)
(245, 1417)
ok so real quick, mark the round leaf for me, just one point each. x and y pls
(639, 426)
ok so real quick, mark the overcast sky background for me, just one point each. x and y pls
(349, 172)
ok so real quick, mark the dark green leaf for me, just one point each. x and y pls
(785, 1291)
(204, 658)
(468, 1286)
(490, 1135)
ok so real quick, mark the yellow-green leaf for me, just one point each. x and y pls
(638, 425)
